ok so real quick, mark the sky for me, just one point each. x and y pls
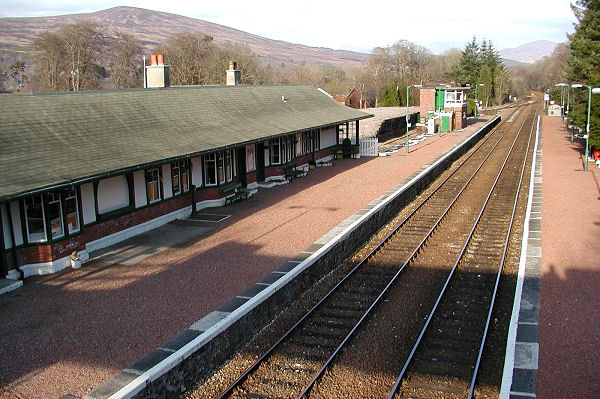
(352, 24)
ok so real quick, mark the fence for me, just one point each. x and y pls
(369, 147)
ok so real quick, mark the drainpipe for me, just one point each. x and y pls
(144, 59)
(193, 192)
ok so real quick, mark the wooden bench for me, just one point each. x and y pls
(290, 171)
(234, 193)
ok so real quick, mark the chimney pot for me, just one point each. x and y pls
(160, 59)
(153, 59)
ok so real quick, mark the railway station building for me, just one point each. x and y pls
(80, 171)
(446, 105)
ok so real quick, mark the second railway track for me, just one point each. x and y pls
(405, 272)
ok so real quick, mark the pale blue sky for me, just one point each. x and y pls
(352, 24)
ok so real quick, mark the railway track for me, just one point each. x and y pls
(440, 233)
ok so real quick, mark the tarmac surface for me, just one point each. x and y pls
(69, 332)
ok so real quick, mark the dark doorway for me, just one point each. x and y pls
(260, 162)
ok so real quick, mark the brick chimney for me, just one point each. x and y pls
(234, 75)
(157, 73)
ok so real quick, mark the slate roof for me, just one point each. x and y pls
(54, 139)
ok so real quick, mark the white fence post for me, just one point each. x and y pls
(369, 146)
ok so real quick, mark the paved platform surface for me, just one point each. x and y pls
(569, 317)
(69, 332)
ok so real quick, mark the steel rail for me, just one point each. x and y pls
(419, 246)
(229, 390)
(500, 269)
(452, 271)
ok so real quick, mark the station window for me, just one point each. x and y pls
(180, 177)
(210, 169)
(454, 97)
(34, 215)
(55, 215)
(275, 151)
(250, 160)
(72, 211)
(153, 185)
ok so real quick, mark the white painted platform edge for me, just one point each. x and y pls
(509, 358)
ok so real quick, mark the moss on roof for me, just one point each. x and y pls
(58, 138)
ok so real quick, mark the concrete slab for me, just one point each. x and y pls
(8, 285)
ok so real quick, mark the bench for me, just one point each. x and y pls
(234, 193)
(290, 171)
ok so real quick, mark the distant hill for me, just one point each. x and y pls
(154, 27)
(510, 63)
(529, 52)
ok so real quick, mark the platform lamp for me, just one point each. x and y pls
(408, 112)
(562, 98)
(587, 126)
(477, 100)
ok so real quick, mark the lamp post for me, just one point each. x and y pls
(407, 112)
(477, 100)
(562, 98)
(587, 126)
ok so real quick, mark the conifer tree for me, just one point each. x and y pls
(470, 63)
(584, 64)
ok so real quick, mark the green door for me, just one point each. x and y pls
(445, 123)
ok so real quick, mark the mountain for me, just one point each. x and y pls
(529, 52)
(154, 27)
(510, 63)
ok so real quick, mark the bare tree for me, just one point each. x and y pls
(49, 62)
(68, 59)
(83, 44)
(189, 56)
(125, 55)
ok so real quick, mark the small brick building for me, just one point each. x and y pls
(448, 103)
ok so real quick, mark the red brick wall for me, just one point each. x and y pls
(460, 117)
(427, 100)
(36, 254)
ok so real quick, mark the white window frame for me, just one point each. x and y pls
(250, 158)
(229, 166)
(148, 174)
(180, 172)
(39, 236)
(53, 200)
(206, 160)
(275, 144)
(68, 197)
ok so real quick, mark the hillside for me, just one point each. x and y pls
(529, 52)
(153, 28)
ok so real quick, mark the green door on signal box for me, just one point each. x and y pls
(445, 123)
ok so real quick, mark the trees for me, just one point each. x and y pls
(470, 64)
(83, 46)
(191, 58)
(67, 59)
(125, 55)
(584, 65)
(50, 64)
(485, 91)
(480, 63)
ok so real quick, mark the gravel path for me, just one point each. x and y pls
(569, 319)
(69, 332)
